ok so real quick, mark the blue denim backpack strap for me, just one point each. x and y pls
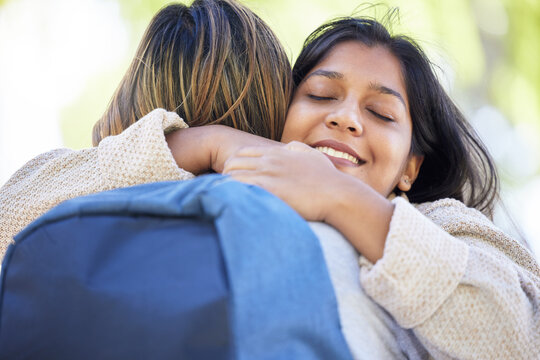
(218, 257)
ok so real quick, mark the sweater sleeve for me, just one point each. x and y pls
(464, 287)
(138, 155)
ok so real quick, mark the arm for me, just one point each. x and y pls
(310, 184)
(158, 147)
(139, 155)
(203, 149)
(465, 288)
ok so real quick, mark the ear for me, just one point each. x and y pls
(412, 168)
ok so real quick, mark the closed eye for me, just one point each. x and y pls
(320, 98)
(382, 117)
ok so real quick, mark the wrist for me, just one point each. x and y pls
(216, 145)
(342, 194)
(362, 215)
(192, 148)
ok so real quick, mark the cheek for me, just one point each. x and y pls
(398, 161)
(398, 144)
(287, 132)
(400, 154)
(394, 155)
(389, 147)
(294, 125)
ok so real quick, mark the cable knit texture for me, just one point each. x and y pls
(465, 289)
(138, 155)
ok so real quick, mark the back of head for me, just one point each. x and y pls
(456, 163)
(214, 62)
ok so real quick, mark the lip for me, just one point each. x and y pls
(340, 147)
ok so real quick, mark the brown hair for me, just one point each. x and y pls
(214, 62)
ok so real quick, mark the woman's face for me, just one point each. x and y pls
(353, 107)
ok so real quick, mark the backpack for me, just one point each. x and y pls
(208, 268)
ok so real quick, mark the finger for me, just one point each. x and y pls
(245, 176)
(241, 163)
(251, 151)
(298, 146)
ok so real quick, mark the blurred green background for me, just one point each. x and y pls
(60, 61)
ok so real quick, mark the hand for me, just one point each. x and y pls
(205, 148)
(298, 174)
(229, 141)
(308, 181)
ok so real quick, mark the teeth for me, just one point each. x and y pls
(337, 153)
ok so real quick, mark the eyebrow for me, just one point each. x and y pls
(372, 85)
(386, 90)
(326, 73)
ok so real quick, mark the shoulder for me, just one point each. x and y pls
(453, 214)
(37, 163)
(476, 229)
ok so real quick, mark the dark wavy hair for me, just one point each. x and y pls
(456, 163)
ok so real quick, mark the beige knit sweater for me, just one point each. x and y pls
(465, 288)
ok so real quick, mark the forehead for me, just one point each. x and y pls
(358, 64)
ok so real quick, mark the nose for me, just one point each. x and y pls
(345, 119)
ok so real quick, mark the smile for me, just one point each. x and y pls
(338, 154)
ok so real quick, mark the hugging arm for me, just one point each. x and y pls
(206, 148)
(138, 155)
(445, 271)
(309, 183)
(465, 288)
(158, 147)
